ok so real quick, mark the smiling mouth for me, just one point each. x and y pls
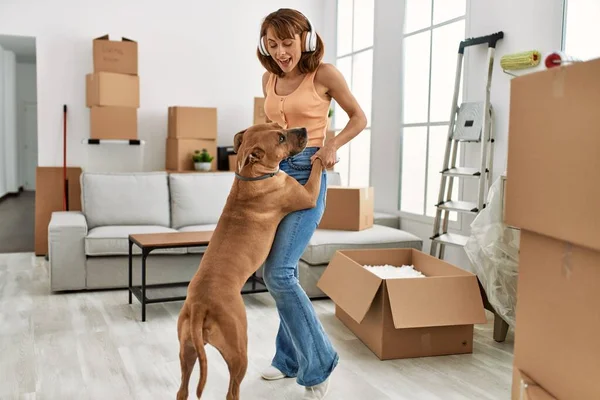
(285, 63)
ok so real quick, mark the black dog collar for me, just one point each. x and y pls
(256, 178)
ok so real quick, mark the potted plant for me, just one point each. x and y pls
(202, 160)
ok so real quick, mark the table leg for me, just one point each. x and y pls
(130, 270)
(144, 255)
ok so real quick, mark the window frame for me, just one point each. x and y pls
(564, 29)
(352, 55)
(423, 217)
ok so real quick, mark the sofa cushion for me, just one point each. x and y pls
(125, 198)
(324, 242)
(198, 198)
(113, 240)
(197, 228)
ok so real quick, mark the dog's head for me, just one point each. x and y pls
(268, 144)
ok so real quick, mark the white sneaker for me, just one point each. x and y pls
(271, 374)
(317, 392)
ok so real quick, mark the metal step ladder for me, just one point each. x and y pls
(471, 122)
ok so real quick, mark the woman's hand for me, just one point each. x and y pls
(327, 154)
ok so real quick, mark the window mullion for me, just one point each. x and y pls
(428, 123)
(352, 58)
(428, 112)
(439, 25)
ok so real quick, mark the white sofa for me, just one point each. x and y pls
(89, 249)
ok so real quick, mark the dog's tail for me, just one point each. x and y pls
(197, 318)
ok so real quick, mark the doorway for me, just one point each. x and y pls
(18, 143)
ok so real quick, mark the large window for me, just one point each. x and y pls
(354, 59)
(582, 29)
(433, 30)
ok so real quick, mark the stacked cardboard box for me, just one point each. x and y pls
(348, 208)
(190, 129)
(113, 89)
(552, 194)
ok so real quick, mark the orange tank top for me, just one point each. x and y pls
(301, 108)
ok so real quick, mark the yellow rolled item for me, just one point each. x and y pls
(522, 60)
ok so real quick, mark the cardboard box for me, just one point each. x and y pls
(180, 151)
(529, 389)
(348, 208)
(119, 56)
(259, 111)
(404, 318)
(232, 161)
(49, 198)
(192, 123)
(558, 317)
(110, 89)
(113, 123)
(553, 157)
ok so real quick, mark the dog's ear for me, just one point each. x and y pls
(237, 140)
(256, 155)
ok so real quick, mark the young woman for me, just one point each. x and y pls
(298, 90)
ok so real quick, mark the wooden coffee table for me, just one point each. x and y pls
(148, 242)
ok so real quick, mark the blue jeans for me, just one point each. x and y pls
(303, 349)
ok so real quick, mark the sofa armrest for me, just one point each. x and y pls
(66, 250)
(387, 219)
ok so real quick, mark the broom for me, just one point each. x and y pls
(65, 180)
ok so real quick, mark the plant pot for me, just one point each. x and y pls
(202, 166)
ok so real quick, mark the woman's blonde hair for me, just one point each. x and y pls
(286, 23)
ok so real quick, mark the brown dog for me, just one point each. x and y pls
(260, 197)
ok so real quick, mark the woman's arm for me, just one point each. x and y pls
(329, 78)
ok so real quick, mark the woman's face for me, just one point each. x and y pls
(286, 52)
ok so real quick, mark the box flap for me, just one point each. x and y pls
(349, 285)
(435, 301)
(530, 390)
(107, 37)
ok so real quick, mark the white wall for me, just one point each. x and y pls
(3, 190)
(8, 133)
(191, 52)
(11, 169)
(26, 93)
(536, 25)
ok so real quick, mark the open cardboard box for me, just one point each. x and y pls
(529, 389)
(405, 317)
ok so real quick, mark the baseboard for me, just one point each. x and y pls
(11, 194)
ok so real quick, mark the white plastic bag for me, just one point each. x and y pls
(493, 249)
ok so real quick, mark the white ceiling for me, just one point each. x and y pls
(22, 46)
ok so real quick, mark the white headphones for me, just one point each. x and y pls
(310, 41)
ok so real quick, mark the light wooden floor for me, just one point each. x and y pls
(92, 346)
